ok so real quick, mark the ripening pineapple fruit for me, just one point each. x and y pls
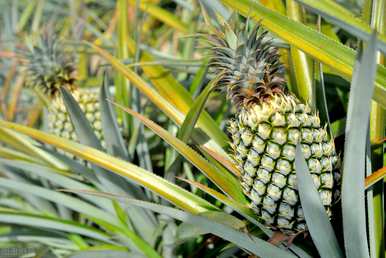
(48, 68)
(269, 122)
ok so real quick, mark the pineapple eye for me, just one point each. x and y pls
(278, 119)
(67, 126)
(314, 165)
(292, 120)
(318, 136)
(307, 135)
(317, 150)
(98, 125)
(290, 196)
(286, 210)
(250, 169)
(289, 152)
(293, 136)
(264, 130)
(328, 149)
(292, 180)
(90, 117)
(259, 187)
(254, 157)
(326, 197)
(263, 175)
(255, 196)
(279, 136)
(269, 204)
(306, 151)
(273, 150)
(316, 180)
(327, 180)
(274, 192)
(283, 166)
(246, 136)
(258, 144)
(326, 164)
(267, 217)
(89, 107)
(242, 151)
(279, 180)
(267, 163)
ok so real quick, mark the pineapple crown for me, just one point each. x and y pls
(48, 67)
(246, 63)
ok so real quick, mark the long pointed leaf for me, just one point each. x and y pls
(316, 217)
(353, 202)
(225, 181)
(169, 191)
(343, 18)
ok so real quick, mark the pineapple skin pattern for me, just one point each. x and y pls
(268, 124)
(59, 122)
(48, 68)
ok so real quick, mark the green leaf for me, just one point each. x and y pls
(225, 181)
(70, 202)
(315, 214)
(45, 222)
(143, 221)
(353, 202)
(27, 146)
(326, 50)
(60, 180)
(115, 143)
(338, 15)
(173, 105)
(195, 112)
(169, 191)
(244, 240)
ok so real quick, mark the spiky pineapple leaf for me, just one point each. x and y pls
(195, 111)
(353, 202)
(28, 147)
(315, 214)
(58, 179)
(326, 50)
(169, 191)
(340, 16)
(244, 240)
(115, 144)
(70, 202)
(49, 222)
(225, 181)
(142, 220)
(173, 106)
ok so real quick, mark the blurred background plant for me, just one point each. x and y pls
(163, 185)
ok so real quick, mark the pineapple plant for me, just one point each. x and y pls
(268, 124)
(49, 67)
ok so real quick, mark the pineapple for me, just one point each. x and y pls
(268, 123)
(48, 68)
